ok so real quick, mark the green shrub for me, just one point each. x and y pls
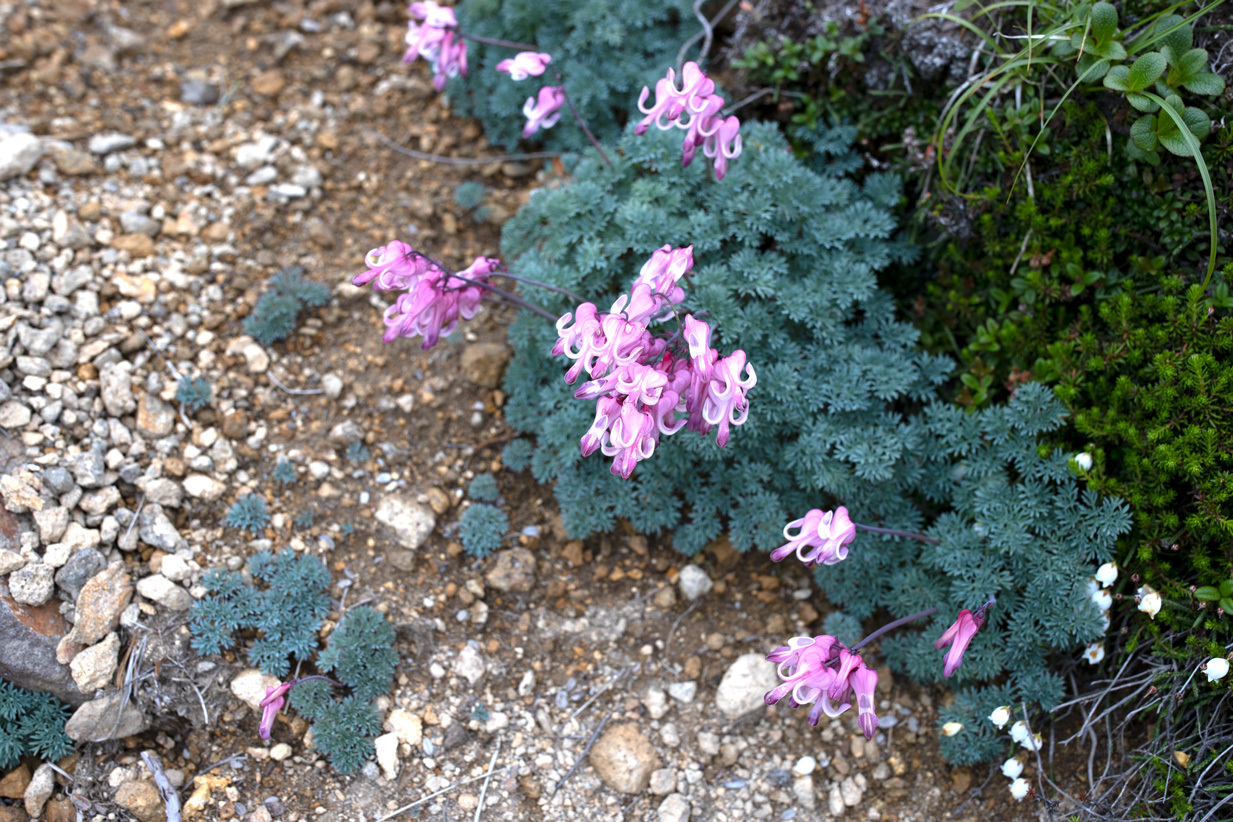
(1148, 379)
(361, 653)
(276, 313)
(605, 51)
(484, 488)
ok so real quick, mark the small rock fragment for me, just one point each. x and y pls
(624, 758)
(744, 685)
(513, 570)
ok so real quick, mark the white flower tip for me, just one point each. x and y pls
(1019, 788)
(952, 728)
(1000, 716)
(1084, 461)
(1217, 669)
(1150, 604)
(1107, 574)
(1012, 768)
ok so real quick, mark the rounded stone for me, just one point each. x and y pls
(624, 759)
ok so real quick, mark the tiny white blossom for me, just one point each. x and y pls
(952, 728)
(1217, 668)
(1033, 742)
(1092, 585)
(1107, 574)
(1019, 788)
(1094, 652)
(1103, 600)
(1019, 731)
(1150, 603)
(1084, 461)
(1000, 716)
(1105, 619)
(1012, 768)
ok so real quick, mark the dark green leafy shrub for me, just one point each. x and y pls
(248, 513)
(288, 612)
(1148, 379)
(193, 392)
(484, 488)
(361, 653)
(517, 455)
(638, 39)
(275, 315)
(31, 724)
(344, 732)
(482, 528)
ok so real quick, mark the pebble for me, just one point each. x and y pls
(624, 759)
(410, 522)
(109, 143)
(674, 808)
(694, 582)
(663, 781)
(14, 415)
(512, 570)
(32, 584)
(204, 488)
(406, 726)
(42, 783)
(93, 667)
(102, 598)
(142, 800)
(19, 153)
(96, 720)
(280, 751)
(683, 692)
(744, 685)
(387, 754)
(198, 92)
(469, 664)
(332, 385)
(656, 702)
(158, 588)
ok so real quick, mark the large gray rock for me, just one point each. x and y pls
(156, 530)
(28, 638)
(410, 522)
(82, 565)
(96, 721)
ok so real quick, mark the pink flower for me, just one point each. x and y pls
(827, 533)
(543, 111)
(960, 633)
(524, 64)
(848, 662)
(435, 40)
(434, 304)
(665, 269)
(864, 680)
(725, 402)
(271, 705)
(808, 675)
(704, 126)
(393, 267)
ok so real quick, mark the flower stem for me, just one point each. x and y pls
(491, 41)
(581, 124)
(896, 533)
(890, 626)
(529, 281)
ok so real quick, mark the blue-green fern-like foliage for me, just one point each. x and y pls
(361, 653)
(344, 732)
(638, 41)
(517, 455)
(248, 513)
(284, 472)
(484, 487)
(276, 313)
(785, 262)
(481, 529)
(193, 392)
(845, 410)
(288, 612)
(31, 724)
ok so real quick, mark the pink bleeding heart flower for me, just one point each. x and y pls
(451, 61)
(958, 636)
(433, 38)
(822, 537)
(726, 403)
(543, 110)
(393, 267)
(864, 680)
(723, 143)
(270, 706)
(665, 269)
(525, 64)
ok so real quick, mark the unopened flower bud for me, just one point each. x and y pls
(952, 728)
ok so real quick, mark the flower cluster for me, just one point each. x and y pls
(821, 538)
(544, 109)
(433, 299)
(436, 39)
(696, 108)
(1012, 768)
(641, 382)
(822, 670)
